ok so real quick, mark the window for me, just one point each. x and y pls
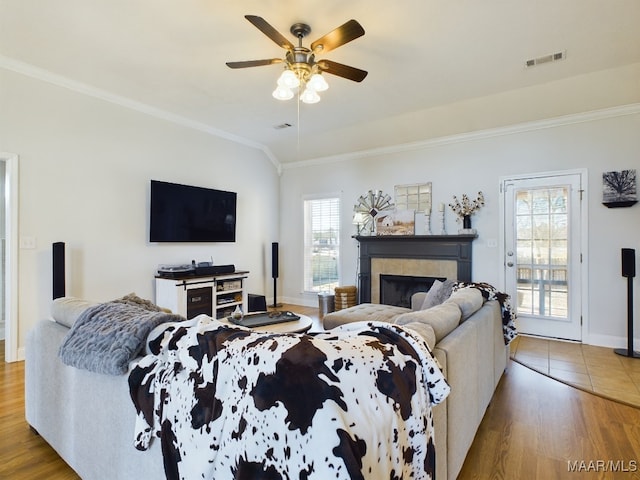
(542, 251)
(321, 244)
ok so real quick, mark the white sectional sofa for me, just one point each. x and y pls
(88, 418)
(466, 336)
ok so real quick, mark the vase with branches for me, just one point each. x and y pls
(466, 207)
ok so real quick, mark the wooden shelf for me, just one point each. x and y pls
(409, 238)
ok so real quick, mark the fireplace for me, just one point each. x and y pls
(398, 289)
(430, 256)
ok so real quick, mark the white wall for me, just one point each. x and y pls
(477, 162)
(85, 166)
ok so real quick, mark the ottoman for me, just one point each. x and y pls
(365, 312)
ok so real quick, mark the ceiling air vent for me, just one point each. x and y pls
(283, 125)
(552, 57)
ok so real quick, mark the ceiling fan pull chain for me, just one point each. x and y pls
(298, 122)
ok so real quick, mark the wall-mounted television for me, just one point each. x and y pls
(185, 213)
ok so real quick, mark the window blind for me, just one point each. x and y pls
(322, 244)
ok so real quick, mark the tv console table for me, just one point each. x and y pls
(213, 295)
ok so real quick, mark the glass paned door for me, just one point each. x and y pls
(542, 254)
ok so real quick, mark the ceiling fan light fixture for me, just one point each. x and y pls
(317, 83)
(301, 70)
(309, 96)
(288, 79)
(282, 93)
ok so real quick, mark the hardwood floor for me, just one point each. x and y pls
(23, 454)
(538, 428)
(534, 428)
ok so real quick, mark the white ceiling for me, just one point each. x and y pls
(420, 54)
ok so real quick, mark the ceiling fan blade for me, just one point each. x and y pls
(262, 25)
(345, 71)
(254, 63)
(338, 37)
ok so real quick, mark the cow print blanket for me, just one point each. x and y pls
(230, 403)
(508, 314)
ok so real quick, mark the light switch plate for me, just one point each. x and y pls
(27, 242)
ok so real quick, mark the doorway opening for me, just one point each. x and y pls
(3, 244)
(9, 254)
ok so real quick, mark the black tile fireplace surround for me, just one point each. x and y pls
(429, 247)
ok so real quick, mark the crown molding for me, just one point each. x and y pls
(32, 71)
(38, 73)
(630, 109)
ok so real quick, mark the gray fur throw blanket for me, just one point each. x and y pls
(106, 337)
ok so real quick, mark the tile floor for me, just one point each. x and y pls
(591, 368)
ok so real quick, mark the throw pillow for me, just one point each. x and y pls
(430, 297)
(441, 292)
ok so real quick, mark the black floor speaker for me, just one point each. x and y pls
(628, 262)
(274, 260)
(274, 273)
(58, 270)
(629, 271)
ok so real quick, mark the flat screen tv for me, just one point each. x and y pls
(184, 213)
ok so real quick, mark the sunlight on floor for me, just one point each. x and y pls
(590, 368)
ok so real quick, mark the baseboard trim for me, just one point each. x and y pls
(609, 341)
(303, 302)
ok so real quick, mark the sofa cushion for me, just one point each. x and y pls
(425, 331)
(365, 312)
(468, 299)
(66, 310)
(443, 318)
(437, 294)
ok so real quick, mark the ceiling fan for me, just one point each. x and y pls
(301, 66)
